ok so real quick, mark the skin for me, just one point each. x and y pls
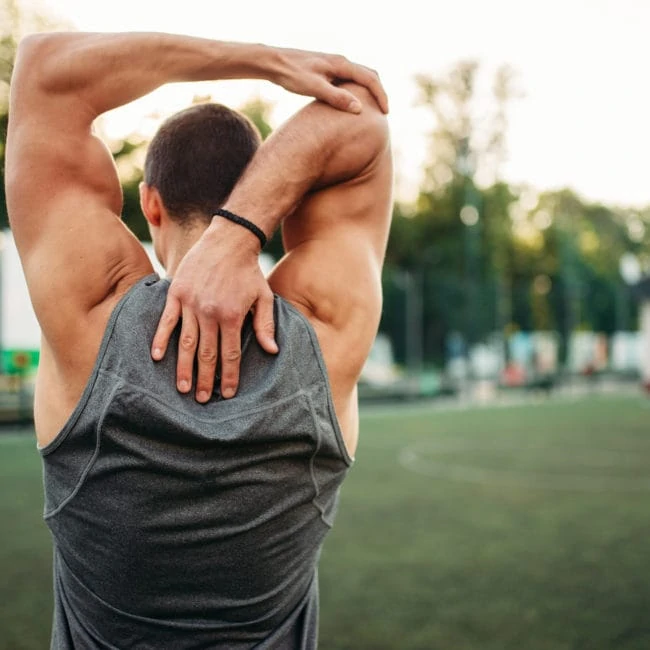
(64, 202)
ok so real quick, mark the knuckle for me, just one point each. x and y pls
(231, 316)
(267, 325)
(187, 342)
(210, 310)
(178, 290)
(208, 355)
(231, 356)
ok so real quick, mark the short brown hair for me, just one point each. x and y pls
(197, 156)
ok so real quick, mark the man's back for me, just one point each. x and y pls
(171, 516)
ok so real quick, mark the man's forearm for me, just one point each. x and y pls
(319, 146)
(108, 70)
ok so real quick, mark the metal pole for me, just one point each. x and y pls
(413, 290)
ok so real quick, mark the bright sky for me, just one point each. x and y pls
(584, 120)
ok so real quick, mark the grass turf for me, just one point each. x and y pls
(485, 529)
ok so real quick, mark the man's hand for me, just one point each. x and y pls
(216, 285)
(318, 75)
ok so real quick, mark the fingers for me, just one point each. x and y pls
(200, 341)
(210, 331)
(341, 99)
(230, 358)
(187, 344)
(168, 321)
(207, 359)
(345, 70)
(264, 323)
(370, 79)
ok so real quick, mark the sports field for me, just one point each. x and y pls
(524, 528)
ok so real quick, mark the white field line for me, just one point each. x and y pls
(428, 459)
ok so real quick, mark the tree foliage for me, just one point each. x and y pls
(488, 256)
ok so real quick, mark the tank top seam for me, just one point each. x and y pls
(312, 460)
(211, 420)
(87, 393)
(317, 435)
(91, 462)
(333, 420)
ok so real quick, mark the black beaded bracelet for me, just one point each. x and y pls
(235, 218)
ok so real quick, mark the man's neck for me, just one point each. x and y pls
(180, 242)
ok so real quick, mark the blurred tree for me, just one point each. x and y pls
(493, 256)
(258, 111)
(129, 159)
(458, 235)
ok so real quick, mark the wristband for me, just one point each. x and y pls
(249, 225)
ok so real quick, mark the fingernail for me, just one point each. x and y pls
(354, 106)
(157, 353)
(184, 386)
(228, 392)
(202, 396)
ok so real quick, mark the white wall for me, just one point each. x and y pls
(18, 325)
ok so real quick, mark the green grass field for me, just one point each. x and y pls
(522, 528)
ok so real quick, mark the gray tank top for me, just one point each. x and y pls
(178, 525)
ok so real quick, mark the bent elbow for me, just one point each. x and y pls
(371, 123)
(38, 59)
(31, 54)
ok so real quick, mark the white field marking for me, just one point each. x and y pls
(416, 458)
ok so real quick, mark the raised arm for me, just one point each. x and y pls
(332, 173)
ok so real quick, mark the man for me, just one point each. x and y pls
(180, 522)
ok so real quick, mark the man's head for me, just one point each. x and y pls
(192, 165)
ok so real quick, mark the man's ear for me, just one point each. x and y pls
(150, 204)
